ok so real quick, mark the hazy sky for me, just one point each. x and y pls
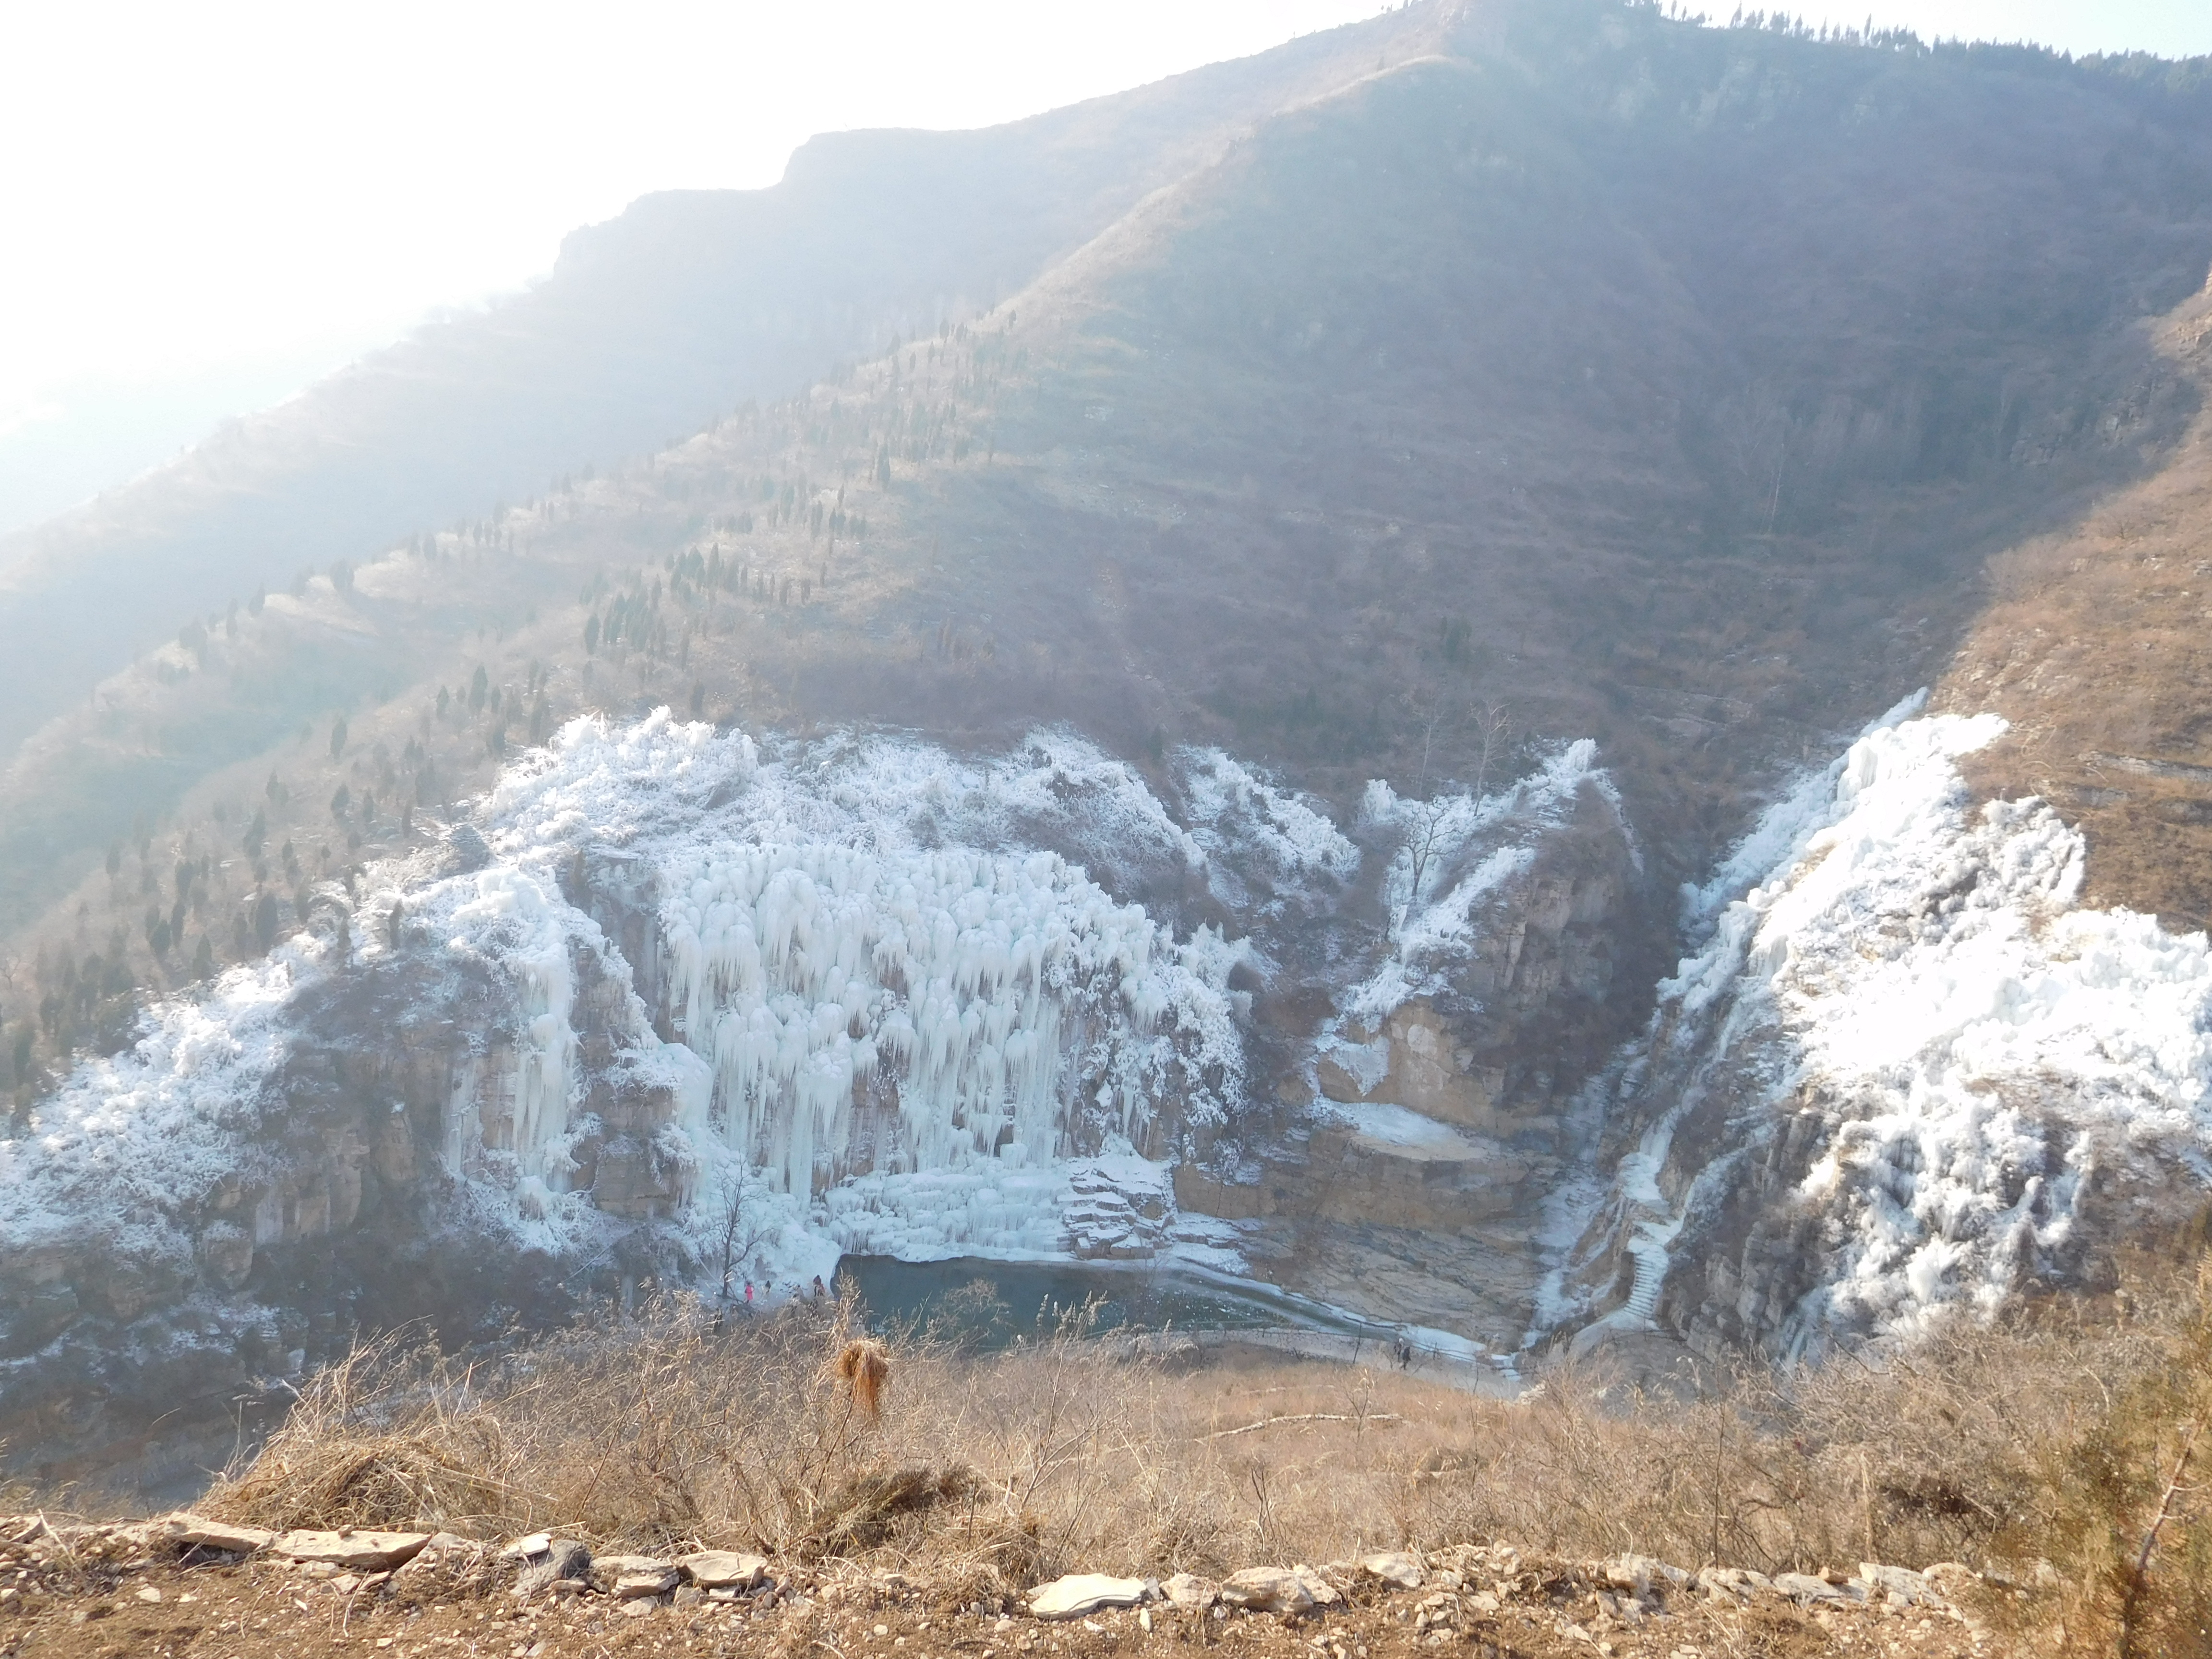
(208, 205)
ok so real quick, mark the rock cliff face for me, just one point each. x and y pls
(670, 1009)
(317, 1150)
(1433, 1107)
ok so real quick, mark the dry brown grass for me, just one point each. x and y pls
(2093, 646)
(2039, 1450)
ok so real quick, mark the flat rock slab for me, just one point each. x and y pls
(197, 1532)
(1902, 1583)
(352, 1551)
(563, 1559)
(611, 1567)
(1267, 1589)
(443, 1555)
(1734, 1581)
(1393, 1567)
(1079, 1593)
(723, 1569)
(1806, 1588)
(632, 1577)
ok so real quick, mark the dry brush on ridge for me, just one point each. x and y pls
(2022, 1479)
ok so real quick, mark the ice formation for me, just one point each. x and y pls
(1920, 971)
(126, 1139)
(885, 1006)
(1265, 848)
(1454, 853)
(1115, 1206)
(869, 921)
(1003, 996)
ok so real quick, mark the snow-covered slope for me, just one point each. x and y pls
(1904, 1067)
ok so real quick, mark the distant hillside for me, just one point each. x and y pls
(1657, 383)
(687, 306)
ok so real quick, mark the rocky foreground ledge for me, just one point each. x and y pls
(183, 1581)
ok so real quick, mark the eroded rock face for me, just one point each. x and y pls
(1432, 1111)
(864, 995)
(336, 1141)
(1418, 1062)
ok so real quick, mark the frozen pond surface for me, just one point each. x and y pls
(1034, 1298)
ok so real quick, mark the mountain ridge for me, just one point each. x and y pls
(1004, 190)
(1529, 460)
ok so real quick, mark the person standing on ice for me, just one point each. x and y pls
(749, 1293)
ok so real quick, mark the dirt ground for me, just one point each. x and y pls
(223, 1609)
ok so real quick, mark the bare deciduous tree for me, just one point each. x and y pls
(741, 1226)
(1440, 720)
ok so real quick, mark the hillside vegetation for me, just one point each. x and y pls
(2092, 646)
(649, 325)
(1598, 373)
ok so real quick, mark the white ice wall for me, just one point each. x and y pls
(999, 994)
(873, 914)
(854, 920)
(1920, 968)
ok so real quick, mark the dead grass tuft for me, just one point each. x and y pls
(865, 1511)
(865, 1371)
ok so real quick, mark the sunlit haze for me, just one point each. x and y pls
(209, 206)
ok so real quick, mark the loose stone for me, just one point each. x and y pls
(1080, 1593)
(723, 1569)
(1393, 1567)
(1267, 1590)
(351, 1552)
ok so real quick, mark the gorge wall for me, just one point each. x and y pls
(670, 1008)
(1309, 721)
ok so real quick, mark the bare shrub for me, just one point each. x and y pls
(384, 1438)
(2111, 1540)
(779, 1432)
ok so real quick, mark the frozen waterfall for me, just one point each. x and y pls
(1905, 982)
(886, 956)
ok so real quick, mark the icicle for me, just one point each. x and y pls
(800, 969)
